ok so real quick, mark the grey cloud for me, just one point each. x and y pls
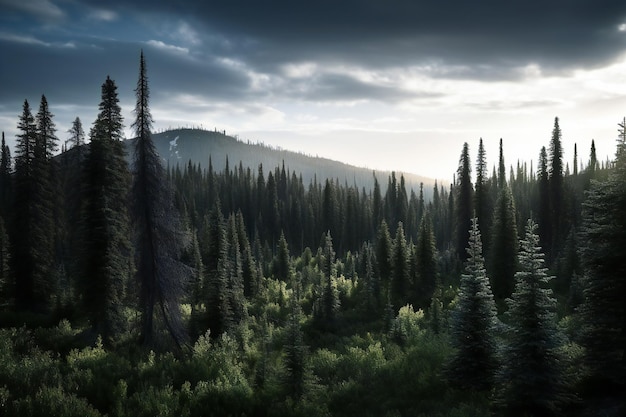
(555, 34)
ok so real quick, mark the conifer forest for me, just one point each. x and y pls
(132, 287)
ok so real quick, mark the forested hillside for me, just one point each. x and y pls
(179, 146)
(149, 288)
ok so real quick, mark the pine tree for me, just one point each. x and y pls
(282, 261)
(329, 305)
(295, 376)
(426, 263)
(556, 188)
(503, 253)
(474, 363)
(400, 269)
(463, 200)
(33, 234)
(6, 182)
(531, 381)
(383, 260)
(501, 168)
(603, 238)
(544, 214)
(77, 134)
(219, 314)
(105, 239)
(482, 194)
(159, 233)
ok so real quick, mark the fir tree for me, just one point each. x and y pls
(503, 253)
(160, 237)
(603, 238)
(295, 373)
(531, 381)
(463, 200)
(474, 363)
(33, 238)
(77, 134)
(383, 259)
(482, 199)
(106, 225)
(544, 213)
(6, 183)
(556, 188)
(426, 263)
(400, 269)
(282, 261)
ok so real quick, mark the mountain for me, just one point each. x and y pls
(178, 147)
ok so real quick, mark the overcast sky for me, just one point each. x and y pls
(390, 84)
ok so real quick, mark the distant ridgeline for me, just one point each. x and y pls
(179, 146)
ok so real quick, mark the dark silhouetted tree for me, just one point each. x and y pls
(603, 238)
(503, 253)
(160, 238)
(106, 246)
(463, 200)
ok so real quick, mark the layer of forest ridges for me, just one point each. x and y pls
(194, 291)
(180, 146)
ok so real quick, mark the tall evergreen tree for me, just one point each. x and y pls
(400, 269)
(603, 238)
(159, 232)
(295, 376)
(426, 263)
(6, 182)
(501, 168)
(482, 195)
(503, 253)
(383, 259)
(531, 382)
(33, 237)
(106, 226)
(77, 134)
(474, 362)
(544, 213)
(463, 200)
(556, 188)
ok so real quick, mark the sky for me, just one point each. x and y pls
(387, 84)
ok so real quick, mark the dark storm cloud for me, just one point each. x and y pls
(498, 34)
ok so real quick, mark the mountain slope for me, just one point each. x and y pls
(178, 147)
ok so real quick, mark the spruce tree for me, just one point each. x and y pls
(503, 254)
(6, 181)
(77, 134)
(556, 189)
(34, 232)
(219, 314)
(400, 269)
(603, 238)
(531, 380)
(463, 200)
(105, 239)
(482, 194)
(329, 304)
(295, 350)
(544, 213)
(282, 261)
(474, 362)
(383, 260)
(160, 238)
(426, 263)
